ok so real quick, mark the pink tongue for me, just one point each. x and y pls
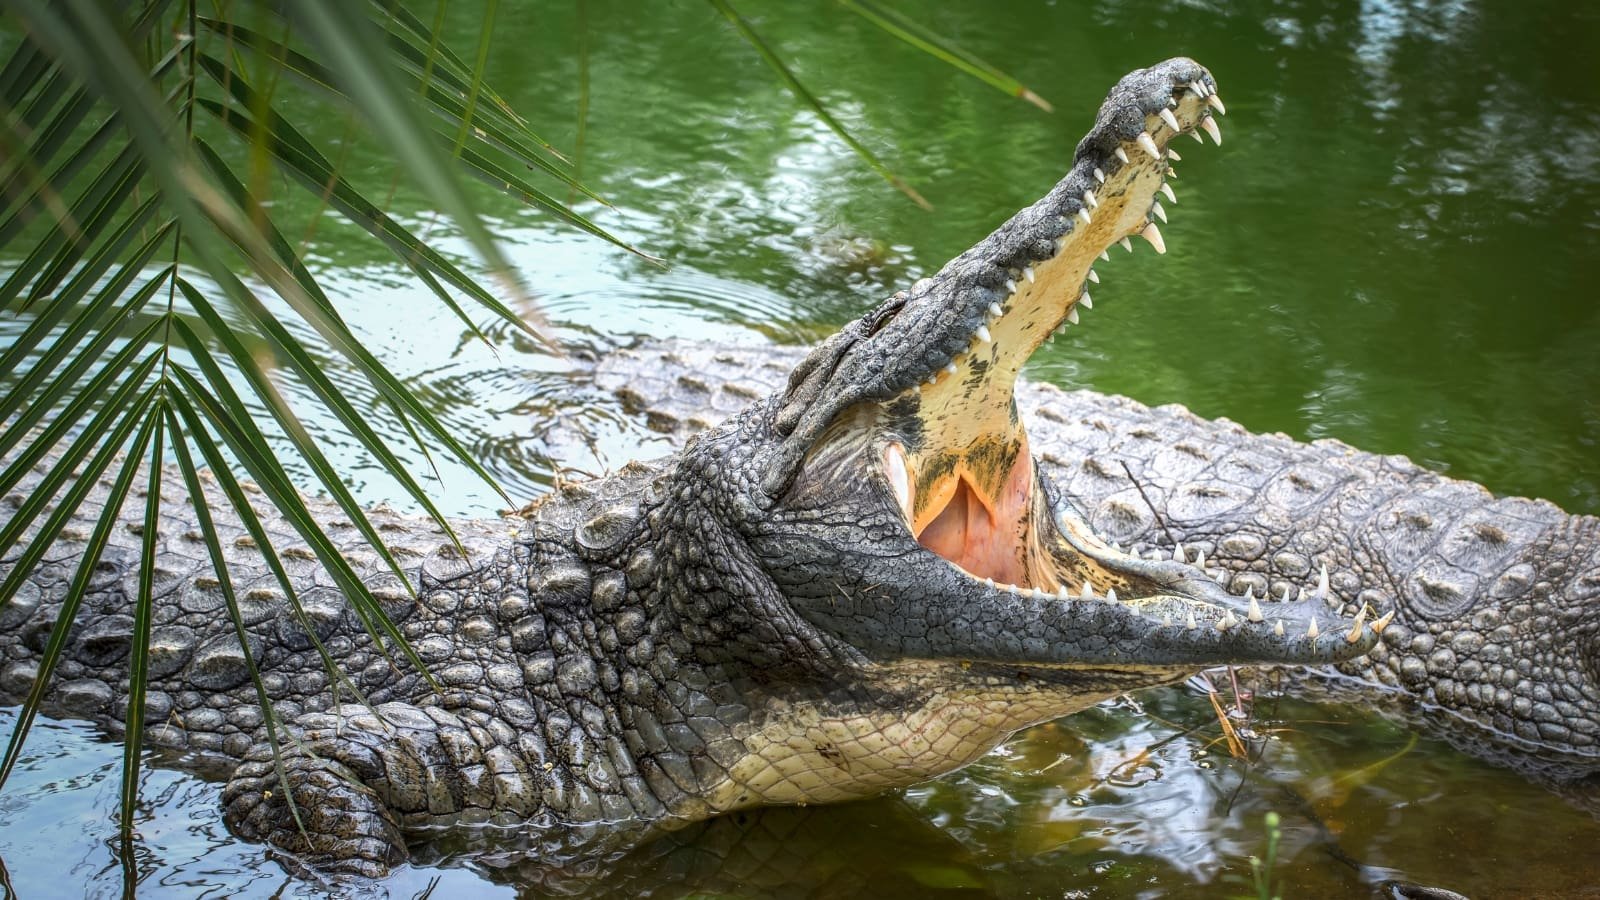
(964, 534)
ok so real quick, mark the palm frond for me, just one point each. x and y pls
(135, 346)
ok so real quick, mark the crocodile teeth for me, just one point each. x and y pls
(1122, 154)
(1171, 120)
(1166, 191)
(1061, 593)
(899, 477)
(1216, 103)
(951, 367)
(1255, 611)
(1072, 315)
(1173, 154)
(1355, 631)
(983, 334)
(1089, 199)
(1200, 559)
(1126, 244)
(1177, 553)
(1105, 256)
(1153, 234)
(1277, 628)
(1285, 598)
(1093, 277)
(1148, 144)
(1191, 622)
(1011, 286)
(1199, 89)
(989, 582)
(1160, 213)
(1087, 593)
(1311, 630)
(1028, 273)
(995, 311)
(1379, 624)
(1083, 299)
(1196, 135)
(1084, 215)
(1209, 125)
(1111, 595)
(1099, 175)
(1322, 584)
(1226, 622)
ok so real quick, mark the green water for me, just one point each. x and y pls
(1395, 247)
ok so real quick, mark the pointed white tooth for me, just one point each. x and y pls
(1170, 119)
(1061, 593)
(1199, 89)
(1209, 126)
(933, 379)
(1153, 234)
(1166, 191)
(1061, 242)
(1126, 244)
(1087, 592)
(1099, 175)
(989, 582)
(894, 458)
(1072, 315)
(1111, 595)
(1355, 631)
(1177, 553)
(1122, 154)
(1159, 211)
(1196, 135)
(1322, 584)
(1173, 154)
(1172, 103)
(995, 311)
(1084, 215)
(1039, 594)
(1255, 610)
(951, 367)
(983, 334)
(1028, 273)
(1226, 622)
(1285, 594)
(916, 389)
(1089, 199)
(1382, 622)
(1148, 145)
(1093, 277)
(1084, 301)
(1200, 560)
(1277, 628)
(1191, 622)
(1311, 630)
(1011, 286)
(1116, 546)
(1216, 104)
(1105, 256)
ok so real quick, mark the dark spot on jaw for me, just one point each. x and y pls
(1491, 534)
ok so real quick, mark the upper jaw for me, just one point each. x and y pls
(979, 318)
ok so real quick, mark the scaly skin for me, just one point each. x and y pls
(854, 585)
(1496, 644)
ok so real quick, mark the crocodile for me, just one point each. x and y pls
(857, 583)
(1495, 647)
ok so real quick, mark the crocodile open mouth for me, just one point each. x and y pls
(958, 463)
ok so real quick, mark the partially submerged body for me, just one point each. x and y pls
(856, 584)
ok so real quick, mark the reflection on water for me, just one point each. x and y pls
(1390, 250)
(1127, 799)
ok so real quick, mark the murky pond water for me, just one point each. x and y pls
(1396, 247)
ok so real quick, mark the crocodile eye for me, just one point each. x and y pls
(886, 313)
